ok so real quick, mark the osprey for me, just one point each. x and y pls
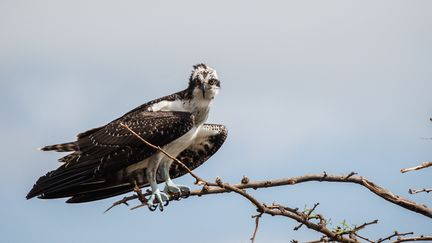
(109, 160)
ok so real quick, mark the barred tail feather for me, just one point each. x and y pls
(63, 147)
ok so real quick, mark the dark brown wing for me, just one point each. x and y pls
(72, 146)
(111, 148)
(208, 141)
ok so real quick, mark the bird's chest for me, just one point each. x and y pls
(174, 148)
(181, 143)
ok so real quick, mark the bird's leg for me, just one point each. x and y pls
(157, 195)
(171, 188)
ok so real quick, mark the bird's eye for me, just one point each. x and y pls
(212, 81)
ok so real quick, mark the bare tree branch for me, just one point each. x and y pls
(257, 218)
(395, 234)
(414, 191)
(358, 228)
(420, 238)
(383, 193)
(303, 218)
(418, 167)
(363, 238)
(387, 195)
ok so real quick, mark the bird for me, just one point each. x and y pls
(109, 160)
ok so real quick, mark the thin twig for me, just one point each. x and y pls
(309, 212)
(420, 238)
(257, 218)
(414, 191)
(363, 238)
(299, 217)
(418, 167)
(395, 234)
(364, 225)
(123, 201)
(319, 227)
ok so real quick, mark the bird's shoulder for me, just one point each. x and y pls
(143, 111)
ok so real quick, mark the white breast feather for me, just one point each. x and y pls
(176, 105)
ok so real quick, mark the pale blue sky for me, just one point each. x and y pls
(307, 86)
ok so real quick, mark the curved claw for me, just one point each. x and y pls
(152, 207)
(157, 199)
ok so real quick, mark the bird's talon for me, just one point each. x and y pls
(152, 207)
(157, 199)
(177, 191)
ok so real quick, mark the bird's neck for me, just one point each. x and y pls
(199, 106)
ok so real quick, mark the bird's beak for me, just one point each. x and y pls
(203, 88)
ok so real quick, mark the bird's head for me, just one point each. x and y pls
(204, 82)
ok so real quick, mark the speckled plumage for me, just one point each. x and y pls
(108, 160)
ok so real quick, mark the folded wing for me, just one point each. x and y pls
(100, 153)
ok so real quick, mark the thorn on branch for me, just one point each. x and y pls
(324, 176)
(349, 175)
